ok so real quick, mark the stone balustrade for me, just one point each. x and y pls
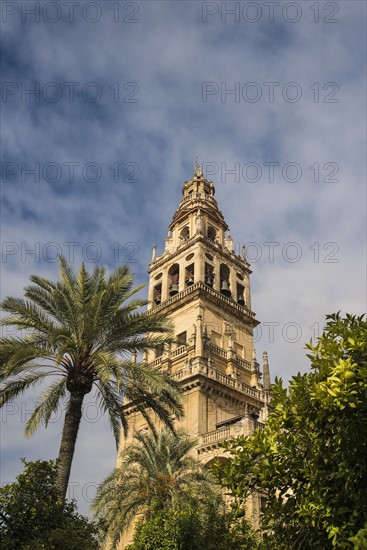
(242, 427)
(209, 290)
(179, 351)
(220, 377)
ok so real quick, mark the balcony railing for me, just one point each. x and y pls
(179, 351)
(156, 363)
(214, 374)
(215, 436)
(217, 350)
(209, 370)
(245, 426)
(243, 363)
(209, 290)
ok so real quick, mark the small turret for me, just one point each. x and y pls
(266, 371)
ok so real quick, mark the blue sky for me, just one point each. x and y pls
(144, 95)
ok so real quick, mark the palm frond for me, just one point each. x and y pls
(47, 404)
(66, 273)
(25, 315)
(14, 387)
(17, 353)
(111, 401)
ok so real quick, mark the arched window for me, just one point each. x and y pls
(157, 294)
(212, 233)
(209, 274)
(173, 279)
(189, 275)
(240, 294)
(224, 280)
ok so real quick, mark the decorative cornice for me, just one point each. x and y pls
(212, 246)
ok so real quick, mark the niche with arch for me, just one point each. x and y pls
(185, 234)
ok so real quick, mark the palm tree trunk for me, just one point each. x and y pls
(69, 434)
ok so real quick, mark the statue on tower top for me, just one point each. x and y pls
(197, 168)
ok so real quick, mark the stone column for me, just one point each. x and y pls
(199, 266)
(233, 283)
(247, 292)
(231, 357)
(181, 285)
(150, 293)
(216, 285)
(199, 344)
(164, 280)
(255, 370)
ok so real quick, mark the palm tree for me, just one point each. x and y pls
(81, 332)
(155, 468)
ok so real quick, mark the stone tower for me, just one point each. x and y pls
(204, 287)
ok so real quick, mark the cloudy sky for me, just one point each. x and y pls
(105, 106)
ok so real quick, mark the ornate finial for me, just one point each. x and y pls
(197, 168)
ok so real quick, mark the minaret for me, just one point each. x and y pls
(204, 287)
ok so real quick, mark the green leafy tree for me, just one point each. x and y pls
(79, 334)
(311, 458)
(154, 469)
(193, 524)
(34, 517)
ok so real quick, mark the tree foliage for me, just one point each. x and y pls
(193, 524)
(79, 335)
(32, 515)
(153, 469)
(311, 458)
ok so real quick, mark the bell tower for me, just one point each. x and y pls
(203, 285)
